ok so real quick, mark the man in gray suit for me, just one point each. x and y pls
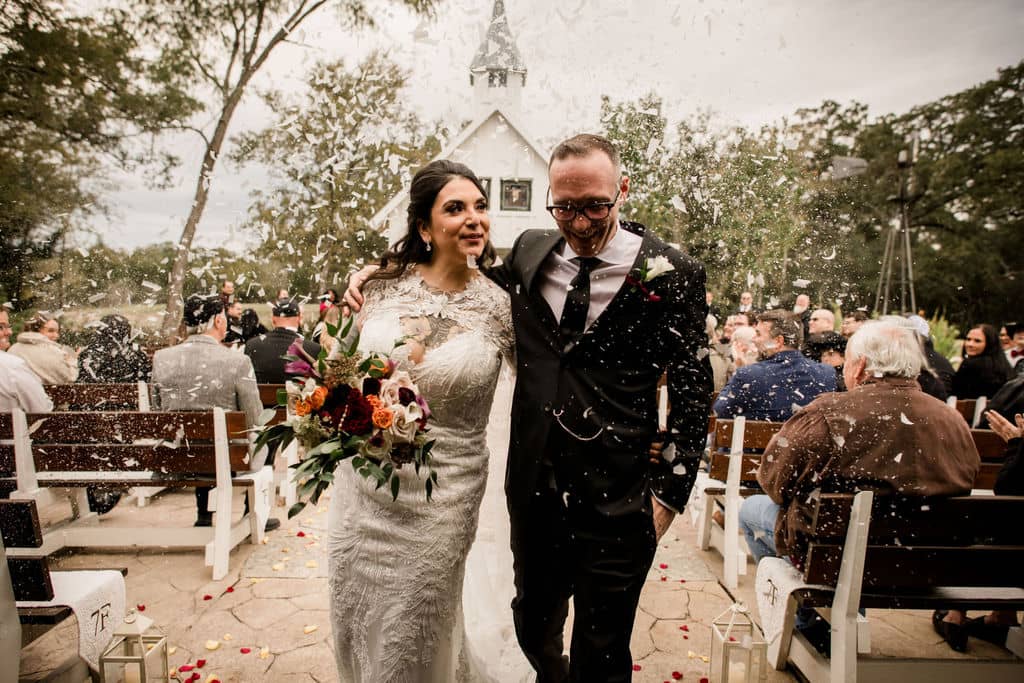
(200, 374)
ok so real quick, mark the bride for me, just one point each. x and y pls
(397, 567)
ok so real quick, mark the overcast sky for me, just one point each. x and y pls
(750, 61)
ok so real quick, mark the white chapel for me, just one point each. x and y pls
(512, 167)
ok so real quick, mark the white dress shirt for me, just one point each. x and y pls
(617, 258)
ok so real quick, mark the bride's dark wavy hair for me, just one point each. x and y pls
(426, 185)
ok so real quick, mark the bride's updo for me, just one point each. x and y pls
(426, 185)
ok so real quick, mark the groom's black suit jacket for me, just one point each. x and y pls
(606, 382)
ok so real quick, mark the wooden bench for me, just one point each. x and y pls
(286, 487)
(133, 396)
(26, 578)
(738, 469)
(918, 554)
(169, 449)
(970, 409)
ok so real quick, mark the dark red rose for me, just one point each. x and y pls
(406, 395)
(359, 416)
(371, 386)
(338, 396)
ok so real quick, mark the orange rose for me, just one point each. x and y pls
(374, 401)
(302, 408)
(383, 417)
(316, 400)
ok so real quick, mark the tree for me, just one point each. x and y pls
(75, 94)
(339, 153)
(223, 44)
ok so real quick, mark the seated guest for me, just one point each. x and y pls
(20, 387)
(883, 434)
(251, 325)
(768, 389)
(718, 355)
(227, 292)
(852, 322)
(732, 323)
(234, 337)
(267, 351)
(37, 345)
(828, 348)
(953, 625)
(743, 349)
(822, 320)
(200, 374)
(746, 303)
(111, 357)
(1014, 350)
(937, 364)
(1008, 401)
(5, 330)
(984, 368)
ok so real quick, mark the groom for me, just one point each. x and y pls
(598, 319)
(602, 308)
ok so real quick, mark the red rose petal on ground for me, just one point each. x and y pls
(677, 675)
(704, 679)
(200, 663)
(195, 676)
(684, 627)
(664, 578)
(682, 580)
(185, 667)
(686, 637)
(245, 650)
(229, 589)
(663, 565)
(140, 608)
(301, 534)
(637, 667)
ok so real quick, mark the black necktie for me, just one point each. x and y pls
(577, 299)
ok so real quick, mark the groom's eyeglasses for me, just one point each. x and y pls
(595, 211)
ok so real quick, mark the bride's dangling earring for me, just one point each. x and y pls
(429, 247)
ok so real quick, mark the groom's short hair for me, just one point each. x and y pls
(583, 144)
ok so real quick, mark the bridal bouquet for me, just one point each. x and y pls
(343, 406)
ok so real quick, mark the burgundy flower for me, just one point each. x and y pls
(371, 386)
(305, 366)
(359, 414)
(406, 395)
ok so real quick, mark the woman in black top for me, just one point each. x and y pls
(984, 368)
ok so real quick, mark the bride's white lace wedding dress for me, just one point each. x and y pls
(397, 567)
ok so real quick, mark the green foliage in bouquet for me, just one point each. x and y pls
(342, 406)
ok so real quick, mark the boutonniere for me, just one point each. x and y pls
(651, 269)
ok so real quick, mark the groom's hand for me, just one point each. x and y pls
(662, 518)
(354, 295)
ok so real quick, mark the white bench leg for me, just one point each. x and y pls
(221, 531)
(704, 530)
(863, 635)
(778, 650)
(731, 528)
(289, 491)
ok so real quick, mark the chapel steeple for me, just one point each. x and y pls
(497, 72)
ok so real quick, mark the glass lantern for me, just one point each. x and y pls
(738, 651)
(136, 654)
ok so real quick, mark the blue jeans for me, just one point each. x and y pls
(757, 522)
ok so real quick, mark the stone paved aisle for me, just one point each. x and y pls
(269, 616)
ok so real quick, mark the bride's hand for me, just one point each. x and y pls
(354, 295)
(662, 518)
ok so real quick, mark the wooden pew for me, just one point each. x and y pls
(285, 486)
(881, 552)
(133, 396)
(738, 469)
(26, 577)
(170, 449)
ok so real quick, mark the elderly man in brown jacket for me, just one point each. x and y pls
(884, 434)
